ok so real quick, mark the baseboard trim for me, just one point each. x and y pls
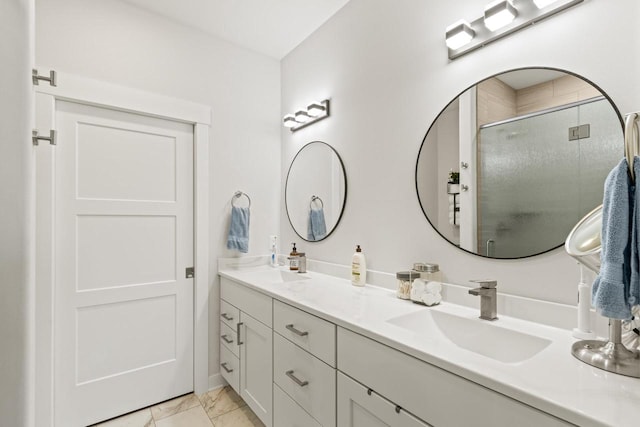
(216, 381)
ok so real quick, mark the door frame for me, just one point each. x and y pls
(107, 95)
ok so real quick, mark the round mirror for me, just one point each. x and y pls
(316, 191)
(515, 161)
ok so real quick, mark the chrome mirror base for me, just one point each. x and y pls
(611, 356)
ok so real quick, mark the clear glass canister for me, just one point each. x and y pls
(404, 279)
(428, 272)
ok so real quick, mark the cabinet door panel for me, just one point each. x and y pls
(358, 408)
(256, 362)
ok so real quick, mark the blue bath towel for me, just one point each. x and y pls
(316, 227)
(634, 285)
(238, 238)
(611, 287)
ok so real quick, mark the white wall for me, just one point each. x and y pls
(384, 65)
(112, 41)
(16, 216)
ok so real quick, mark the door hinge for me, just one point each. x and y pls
(35, 138)
(579, 132)
(35, 77)
(190, 272)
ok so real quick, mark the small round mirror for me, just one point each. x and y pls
(512, 163)
(316, 191)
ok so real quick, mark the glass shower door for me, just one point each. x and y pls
(552, 181)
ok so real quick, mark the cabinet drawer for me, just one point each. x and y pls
(229, 338)
(307, 379)
(287, 413)
(306, 330)
(357, 406)
(229, 314)
(253, 302)
(429, 392)
(230, 368)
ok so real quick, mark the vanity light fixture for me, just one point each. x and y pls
(498, 14)
(314, 112)
(459, 34)
(501, 18)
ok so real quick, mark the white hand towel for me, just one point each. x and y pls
(431, 299)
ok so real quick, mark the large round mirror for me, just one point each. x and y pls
(512, 163)
(316, 191)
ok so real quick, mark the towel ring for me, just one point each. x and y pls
(631, 142)
(316, 198)
(239, 194)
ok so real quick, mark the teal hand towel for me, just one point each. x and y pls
(316, 227)
(611, 287)
(238, 238)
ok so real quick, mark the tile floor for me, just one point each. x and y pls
(217, 408)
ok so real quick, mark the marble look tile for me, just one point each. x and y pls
(220, 401)
(194, 417)
(141, 418)
(174, 406)
(242, 417)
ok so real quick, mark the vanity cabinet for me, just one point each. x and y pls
(250, 369)
(296, 369)
(359, 406)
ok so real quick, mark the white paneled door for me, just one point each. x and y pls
(123, 313)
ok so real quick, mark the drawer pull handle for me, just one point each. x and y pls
(398, 409)
(296, 331)
(225, 316)
(238, 332)
(224, 365)
(227, 339)
(296, 379)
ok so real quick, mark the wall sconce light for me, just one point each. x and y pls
(314, 112)
(501, 18)
(459, 34)
(499, 14)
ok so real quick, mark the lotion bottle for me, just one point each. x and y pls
(358, 268)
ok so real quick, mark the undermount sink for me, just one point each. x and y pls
(277, 276)
(479, 336)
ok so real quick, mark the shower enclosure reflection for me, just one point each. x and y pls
(532, 148)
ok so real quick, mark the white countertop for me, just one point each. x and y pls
(552, 380)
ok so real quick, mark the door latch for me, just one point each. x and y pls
(190, 272)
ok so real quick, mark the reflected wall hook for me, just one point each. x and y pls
(464, 187)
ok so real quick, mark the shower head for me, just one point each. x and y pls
(583, 243)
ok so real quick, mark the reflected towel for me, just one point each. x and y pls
(238, 238)
(316, 227)
(611, 287)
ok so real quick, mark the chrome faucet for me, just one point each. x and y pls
(488, 298)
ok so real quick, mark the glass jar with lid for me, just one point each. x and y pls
(404, 279)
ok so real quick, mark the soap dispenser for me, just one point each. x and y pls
(358, 268)
(293, 258)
